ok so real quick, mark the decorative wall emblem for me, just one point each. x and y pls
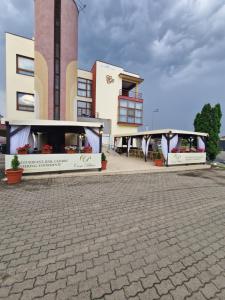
(109, 79)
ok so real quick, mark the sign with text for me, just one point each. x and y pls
(37, 163)
(186, 158)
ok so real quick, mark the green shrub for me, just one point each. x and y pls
(103, 157)
(15, 163)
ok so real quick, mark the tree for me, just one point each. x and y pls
(209, 121)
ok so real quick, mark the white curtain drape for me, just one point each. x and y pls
(31, 141)
(173, 142)
(164, 146)
(179, 142)
(145, 145)
(117, 141)
(200, 143)
(93, 140)
(129, 145)
(19, 139)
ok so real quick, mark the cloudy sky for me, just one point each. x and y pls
(177, 46)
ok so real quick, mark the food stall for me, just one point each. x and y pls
(177, 147)
(53, 146)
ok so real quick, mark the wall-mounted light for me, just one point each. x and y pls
(101, 130)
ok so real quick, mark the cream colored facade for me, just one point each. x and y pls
(107, 81)
(17, 82)
(107, 96)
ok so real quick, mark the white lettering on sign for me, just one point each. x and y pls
(186, 158)
(36, 163)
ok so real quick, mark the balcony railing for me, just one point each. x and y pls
(130, 94)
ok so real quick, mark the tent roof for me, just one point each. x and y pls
(51, 123)
(162, 131)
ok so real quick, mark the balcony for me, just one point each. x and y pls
(125, 93)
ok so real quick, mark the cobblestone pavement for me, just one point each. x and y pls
(146, 236)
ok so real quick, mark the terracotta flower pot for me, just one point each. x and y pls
(158, 162)
(22, 152)
(104, 164)
(87, 150)
(70, 151)
(14, 176)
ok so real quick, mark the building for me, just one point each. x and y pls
(44, 82)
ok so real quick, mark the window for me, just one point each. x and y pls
(130, 112)
(84, 109)
(25, 65)
(84, 87)
(25, 102)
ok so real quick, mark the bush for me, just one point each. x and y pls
(15, 163)
(209, 121)
(103, 157)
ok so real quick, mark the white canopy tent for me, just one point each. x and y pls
(170, 139)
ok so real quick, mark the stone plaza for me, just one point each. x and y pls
(139, 236)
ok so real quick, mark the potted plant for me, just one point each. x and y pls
(104, 161)
(70, 149)
(14, 175)
(158, 160)
(87, 149)
(24, 149)
(46, 149)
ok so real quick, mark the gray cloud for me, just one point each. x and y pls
(178, 47)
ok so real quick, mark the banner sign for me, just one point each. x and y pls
(37, 163)
(186, 158)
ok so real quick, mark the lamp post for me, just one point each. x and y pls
(154, 111)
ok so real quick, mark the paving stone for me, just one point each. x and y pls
(42, 280)
(64, 273)
(83, 266)
(209, 290)
(75, 279)
(149, 294)
(193, 284)
(55, 286)
(95, 271)
(119, 282)
(100, 291)
(21, 286)
(67, 293)
(179, 293)
(164, 287)
(88, 284)
(176, 267)
(106, 277)
(219, 281)
(123, 270)
(4, 291)
(117, 295)
(149, 281)
(59, 265)
(133, 289)
(164, 273)
(178, 278)
(196, 296)
(136, 275)
(34, 293)
(215, 269)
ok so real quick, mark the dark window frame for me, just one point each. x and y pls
(85, 109)
(19, 70)
(87, 82)
(128, 109)
(57, 59)
(17, 102)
